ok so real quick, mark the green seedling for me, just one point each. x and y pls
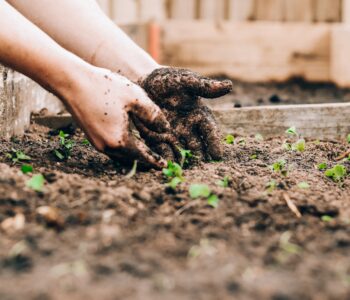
(18, 156)
(66, 146)
(224, 183)
(36, 183)
(203, 191)
(287, 246)
(174, 174)
(186, 156)
(322, 166)
(242, 142)
(132, 171)
(280, 167)
(287, 146)
(292, 131)
(27, 169)
(303, 185)
(348, 138)
(299, 146)
(86, 142)
(271, 186)
(337, 173)
(259, 137)
(229, 139)
(253, 156)
(327, 218)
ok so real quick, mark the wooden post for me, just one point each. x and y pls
(346, 11)
(212, 10)
(183, 10)
(270, 10)
(151, 10)
(241, 10)
(328, 10)
(124, 11)
(299, 10)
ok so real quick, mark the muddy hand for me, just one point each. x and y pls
(177, 92)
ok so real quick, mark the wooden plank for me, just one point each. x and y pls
(124, 11)
(241, 10)
(328, 10)
(321, 121)
(270, 10)
(182, 10)
(299, 10)
(151, 10)
(346, 11)
(340, 49)
(240, 50)
(212, 10)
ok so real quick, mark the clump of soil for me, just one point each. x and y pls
(120, 238)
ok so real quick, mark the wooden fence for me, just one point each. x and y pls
(131, 11)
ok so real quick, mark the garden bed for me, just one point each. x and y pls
(93, 233)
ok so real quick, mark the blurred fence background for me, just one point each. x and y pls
(131, 11)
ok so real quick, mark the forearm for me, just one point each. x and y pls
(81, 27)
(27, 49)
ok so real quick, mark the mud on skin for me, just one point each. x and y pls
(177, 92)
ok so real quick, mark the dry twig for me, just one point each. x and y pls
(292, 206)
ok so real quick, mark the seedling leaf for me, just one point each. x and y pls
(327, 218)
(303, 185)
(348, 138)
(132, 171)
(186, 155)
(337, 173)
(173, 170)
(300, 145)
(175, 182)
(322, 166)
(26, 169)
(224, 183)
(36, 183)
(229, 139)
(199, 190)
(271, 186)
(213, 201)
(292, 131)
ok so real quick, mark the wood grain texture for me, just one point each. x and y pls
(241, 10)
(212, 10)
(270, 10)
(299, 10)
(182, 10)
(327, 10)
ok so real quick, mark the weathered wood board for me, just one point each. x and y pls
(241, 10)
(299, 10)
(182, 10)
(319, 121)
(251, 51)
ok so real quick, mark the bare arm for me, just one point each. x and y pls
(80, 26)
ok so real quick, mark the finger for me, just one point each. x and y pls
(208, 88)
(210, 133)
(150, 114)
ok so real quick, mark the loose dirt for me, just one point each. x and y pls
(104, 236)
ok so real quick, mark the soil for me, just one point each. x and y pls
(106, 236)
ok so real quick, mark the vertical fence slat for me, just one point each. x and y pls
(184, 10)
(124, 11)
(212, 10)
(270, 10)
(346, 11)
(328, 10)
(299, 10)
(240, 10)
(152, 10)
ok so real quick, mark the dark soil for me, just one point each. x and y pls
(109, 237)
(295, 91)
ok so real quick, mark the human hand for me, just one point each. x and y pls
(177, 92)
(102, 103)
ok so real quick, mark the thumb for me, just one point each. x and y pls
(209, 88)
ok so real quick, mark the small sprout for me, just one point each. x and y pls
(229, 139)
(299, 146)
(36, 183)
(86, 142)
(287, 146)
(327, 218)
(271, 186)
(132, 171)
(254, 156)
(337, 173)
(27, 169)
(348, 138)
(242, 142)
(175, 182)
(66, 146)
(213, 201)
(173, 170)
(288, 246)
(224, 183)
(292, 131)
(303, 185)
(203, 191)
(279, 167)
(322, 166)
(199, 190)
(18, 156)
(186, 155)
(259, 137)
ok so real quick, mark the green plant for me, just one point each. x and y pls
(18, 156)
(186, 156)
(203, 191)
(174, 174)
(224, 183)
(36, 183)
(66, 146)
(253, 156)
(292, 131)
(271, 186)
(86, 142)
(327, 218)
(303, 185)
(348, 138)
(229, 139)
(27, 169)
(259, 137)
(322, 166)
(242, 142)
(280, 167)
(287, 146)
(300, 145)
(337, 173)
